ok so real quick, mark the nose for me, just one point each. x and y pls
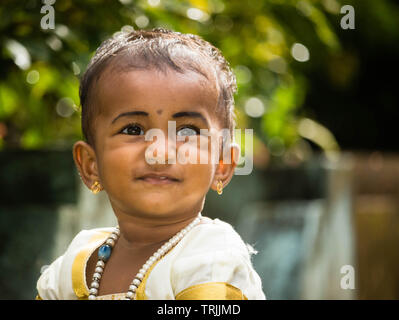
(161, 150)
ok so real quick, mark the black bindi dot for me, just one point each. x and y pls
(159, 111)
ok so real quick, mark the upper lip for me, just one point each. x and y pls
(158, 175)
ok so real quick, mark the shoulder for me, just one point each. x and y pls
(60, 278)
(214, 256)
(215, 235)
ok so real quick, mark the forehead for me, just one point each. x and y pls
(158, 92)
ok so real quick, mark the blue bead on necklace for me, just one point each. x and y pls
(104, 252)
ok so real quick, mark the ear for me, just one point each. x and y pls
(225, 170)
(86, 163)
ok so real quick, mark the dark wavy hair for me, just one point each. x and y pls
(157, 48)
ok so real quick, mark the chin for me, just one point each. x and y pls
(157, 207)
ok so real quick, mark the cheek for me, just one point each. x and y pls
(199, 150)
(199, 163)
(116, 167)
(198, 181)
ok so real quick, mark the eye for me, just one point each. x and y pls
(188, 131)
(132, 129)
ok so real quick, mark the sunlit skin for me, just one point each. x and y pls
(148, 214)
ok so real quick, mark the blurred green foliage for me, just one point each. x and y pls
(40, 69)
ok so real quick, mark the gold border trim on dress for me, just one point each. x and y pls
(112, 296)
(211, 291)
(79, 264)
(140, 292)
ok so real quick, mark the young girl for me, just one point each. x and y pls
(162, 248)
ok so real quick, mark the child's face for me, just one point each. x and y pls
(119, 160)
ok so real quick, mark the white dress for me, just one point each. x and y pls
(210, 262)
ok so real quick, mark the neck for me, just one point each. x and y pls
(143, 231)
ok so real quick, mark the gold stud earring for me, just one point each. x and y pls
(219, 187)
(96, 187)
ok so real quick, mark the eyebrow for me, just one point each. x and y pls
(183, 114)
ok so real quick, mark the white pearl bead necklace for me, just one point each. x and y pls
(111, 240)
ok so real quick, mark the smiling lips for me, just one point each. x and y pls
(158, 179)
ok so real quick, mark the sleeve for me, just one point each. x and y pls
(47, 285)
(216, 275)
